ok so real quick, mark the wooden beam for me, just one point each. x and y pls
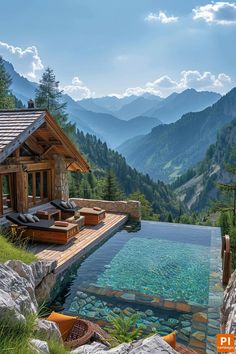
(37, 166)
(47, 151)
(9, 169)
(33, 145)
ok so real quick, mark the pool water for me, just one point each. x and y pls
(163, 272)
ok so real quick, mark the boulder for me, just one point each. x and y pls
(228, 310)
(43, 290)
(41, 269)
(48, 329)
(40, 346)
(16, 291)
(154, 345)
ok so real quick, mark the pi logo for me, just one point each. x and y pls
(225, 343)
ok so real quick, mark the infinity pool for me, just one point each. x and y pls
(167, 273)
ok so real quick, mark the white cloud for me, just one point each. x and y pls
(222, 13)
(165, 85)
(27, 60)
(160, 17)
(77, 90)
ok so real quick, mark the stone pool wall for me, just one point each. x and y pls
(130, 207)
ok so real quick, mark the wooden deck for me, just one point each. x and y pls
(82, 243)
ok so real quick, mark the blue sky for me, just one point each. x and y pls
(101, 47)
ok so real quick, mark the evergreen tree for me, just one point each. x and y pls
(112, 189)
(6, 99)
(170, 218)
(229, 188)
(224, 222)
(146, 209)
(49, 96)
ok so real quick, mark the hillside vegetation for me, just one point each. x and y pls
(198, 187)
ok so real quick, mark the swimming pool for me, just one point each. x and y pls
(169, 274)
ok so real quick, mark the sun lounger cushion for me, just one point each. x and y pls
(170, 339)
(64, 205)
(30, 218)
(61, 223)
(42, 224)
(58, 204)
(64, 322)
(97, 208)
(22, 218)
(73, 204)
(69, 204)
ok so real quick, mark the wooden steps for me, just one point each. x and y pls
(83, 242)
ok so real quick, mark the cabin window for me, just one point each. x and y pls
(38, 187)
(7, 193)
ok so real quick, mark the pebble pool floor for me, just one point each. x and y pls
(169, 274)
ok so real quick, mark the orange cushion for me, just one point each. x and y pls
(61, 223)
(170, 339)
(97, 208)
(64, 322)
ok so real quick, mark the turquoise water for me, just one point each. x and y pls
(152, 271)
(169, 269)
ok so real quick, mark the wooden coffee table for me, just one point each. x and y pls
(48, 214)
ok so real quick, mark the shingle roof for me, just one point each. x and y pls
(15, 127)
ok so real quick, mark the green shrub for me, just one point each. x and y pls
(124, 329)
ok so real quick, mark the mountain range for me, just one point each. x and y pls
(169, 150)
(114, 119)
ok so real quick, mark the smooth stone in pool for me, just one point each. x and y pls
(186, 331)
(91, 314)
(185, 323)
(165, 329)
(130, 309)
(199, 326)
(93, 297)
(141, 314)
(81, 294)
(107, 266)
(88, 306)
(117, 310)
(128, 296)
(82, 303)
(149, 313)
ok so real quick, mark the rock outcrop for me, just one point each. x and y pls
(228, 310)
(153, 345)
(18, 286)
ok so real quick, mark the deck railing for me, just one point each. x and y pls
(226, 256)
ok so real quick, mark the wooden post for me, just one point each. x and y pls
(226, 259)
(61, 185)
(22, 191)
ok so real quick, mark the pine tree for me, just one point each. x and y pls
(49, 96)
(229, 188)
(112, 189)
(6, 99)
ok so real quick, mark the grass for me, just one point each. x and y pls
(9, 251)
(15, 338)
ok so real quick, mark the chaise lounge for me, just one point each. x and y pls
(93, 216)
(45, 230)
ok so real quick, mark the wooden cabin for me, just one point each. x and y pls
(35, 155)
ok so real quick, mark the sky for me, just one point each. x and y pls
(122, 47)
